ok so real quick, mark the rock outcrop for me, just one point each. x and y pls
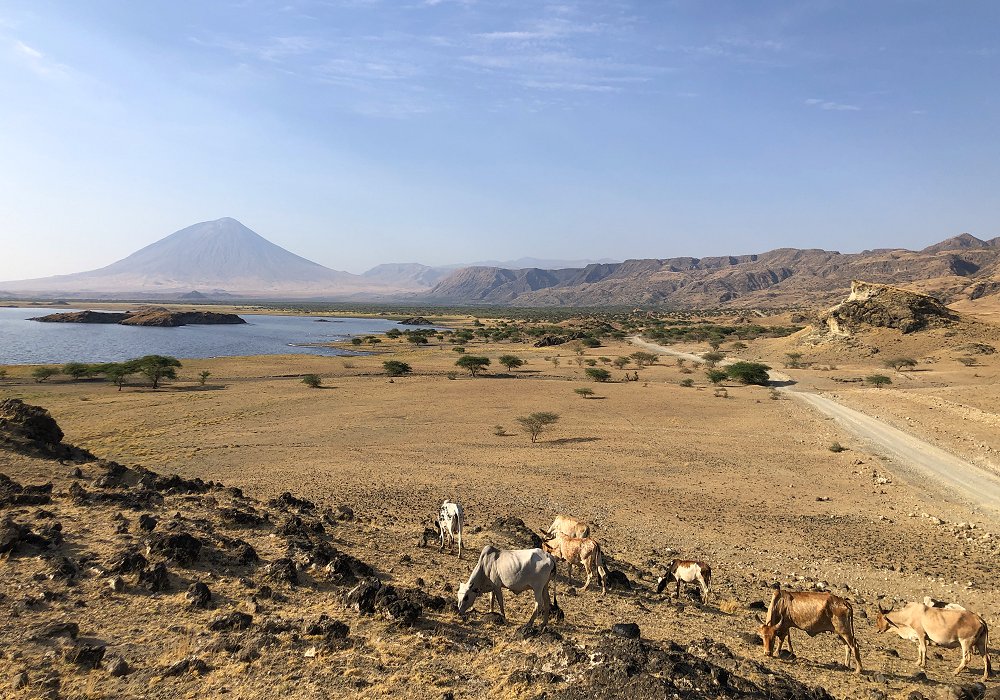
(881, 306)
(150, 316)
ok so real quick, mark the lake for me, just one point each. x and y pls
(25, 342)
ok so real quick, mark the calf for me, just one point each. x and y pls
(947, 627)
(689, 572)
(578, 550)
(812, 612)
(449, 525)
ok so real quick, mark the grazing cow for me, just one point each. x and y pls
(812, 612)
(689, 572)
(578, 550)
(449, 525)
(517, 570)
(947, 627)
(569, 526)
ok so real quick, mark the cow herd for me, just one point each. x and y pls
(568, 539)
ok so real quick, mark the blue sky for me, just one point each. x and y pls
(355, 132)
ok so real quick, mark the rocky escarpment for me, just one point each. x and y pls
(151, 316)
(881, 306)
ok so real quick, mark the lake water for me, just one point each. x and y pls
(30, 342)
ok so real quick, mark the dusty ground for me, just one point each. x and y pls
(659, 470)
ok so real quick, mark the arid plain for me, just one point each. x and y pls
(745, 479)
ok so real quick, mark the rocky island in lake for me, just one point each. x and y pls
(152, 316)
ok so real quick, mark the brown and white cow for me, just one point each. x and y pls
(569, 526)
(687, 571)
(947, 627)
(578, 550)
(812, 612)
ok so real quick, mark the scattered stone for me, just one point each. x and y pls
(17, 538)
(118, 667)
(191, 664)
(20, 680)
(287, 501)
(198, 595)
(147, 522)
(232, 621)
(60, 629)
(127, 562)
(86, 655)
(14, 494)
(155, 579)
(282, 571)
(116, 584)
(344, 513)
(238, 516)
(182, 547)
(628, 630)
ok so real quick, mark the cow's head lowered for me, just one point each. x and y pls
(882, 623)
(466, 598)
(769, 627)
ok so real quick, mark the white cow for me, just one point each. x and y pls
(517, 570)
(449, 525)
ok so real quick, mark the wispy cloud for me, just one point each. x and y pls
(36, 61)
(832, 106)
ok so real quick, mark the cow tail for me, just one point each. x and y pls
(556, 610)
(984, 638)
(599, 560)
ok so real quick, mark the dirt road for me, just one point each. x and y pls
(915, 459)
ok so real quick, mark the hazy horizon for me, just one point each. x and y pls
(361, 132)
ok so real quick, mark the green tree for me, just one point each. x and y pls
(118, 373)
(748, 372)
(76, 370)
(3, 373)
(584, 392)
(372, 340)
(899, 363)
(416, 338)
(395, 368)
(458, 348)
(203, 376)
(878, 380)
(356, 341)
(42, 373)
(716, 376)
(535, 423)
(312, 381)
(591, 342)
(643, 358)
(157, 368)
(473, 363)
(510, 361)
(598, 374)
(393, 333)
(794, 360)
(713, 358)
(620, 362)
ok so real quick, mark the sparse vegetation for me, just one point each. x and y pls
(878, 380)
(119, 372)
(620, 362)
(313, 381)
(156, 368)
(395, 368)
(458, 349)
(794, 360)
(713, 358)
(687, 382)
(41, 374)
(584, 392)
(535, 423)
(716, 376)
(77, 370)
(643, 358)
(473, 363)
(499, 430)
(900, 363)
(203, 377)
(836, 447)
(968, 361)
(511, 361)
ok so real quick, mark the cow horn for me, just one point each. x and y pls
(546, 535)
(759, 619)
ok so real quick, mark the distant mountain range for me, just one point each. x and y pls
(223, 259)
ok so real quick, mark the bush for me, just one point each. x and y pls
(713, 358)
(76, 370)
(716, 375)
(395, 368)
(836, 447)
(42, 373)
(748, 373)
(687, 382)
(118, 373)
(458, 348)
(878, 380)
(312, 381)
(510, 361)
(643, 358)
(473, 363)
(899, 363)
(203, 376)
(584, 392)
(156, 367)
(452, 375)
(598, 374)
(356, 341)
(589, 342)
(794, 360)
(535, 423)
(499, 430)
(968, 361)
(620, 362)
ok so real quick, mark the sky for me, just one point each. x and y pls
(358, 132)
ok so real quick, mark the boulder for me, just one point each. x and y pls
(883, 306)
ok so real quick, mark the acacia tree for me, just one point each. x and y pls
(536, 422)
(473, 363)
(643, 358)
(878, 380)
(716, 376)
(511, 361)
(713, 358)
(898, 363)
(598, 374)
(157, 368)
(42, 373)
(118, 373)
(748, 372)
(395, 368)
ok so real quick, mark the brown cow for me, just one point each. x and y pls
(812, 612)
(569, 526)
(947, 627)
(578, 550)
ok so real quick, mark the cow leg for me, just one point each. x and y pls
(788, 636)
(441, 545)
(966, 653)
(589, 571)
(498, 592)
(677, 592)
(459, 545)
(922, 651)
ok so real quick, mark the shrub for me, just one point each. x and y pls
(312, 381)
(598, 374)
(716, 375)
(687, 382)
(118, 373)
(510, 361)
(774, 395)
(42, 373)
(836, 447)
(878, 380)
(899, 363)
(968, 361)
(794, 360)
(535, 423)
(76, 370)
(356, 341)
(738, 345)
(584, 392)
(748, 373)
(620, 362)
(499, 430)
(643, 358)
(713, 358)
(393, 333)
(458, 348)
(452, 375)
(395, 368)
(473, 363)
(156, 367)
(203, 376)
(3, 373)
(604, 360)
(591, 342)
